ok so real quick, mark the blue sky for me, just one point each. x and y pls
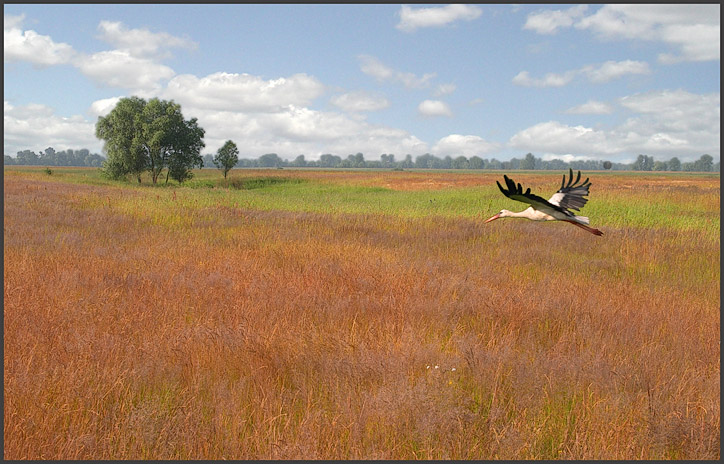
(498, 81)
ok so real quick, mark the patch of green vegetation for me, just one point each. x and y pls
(653, 211)
(251, 183)
(558, 417)
(201, 183)
(639, 209)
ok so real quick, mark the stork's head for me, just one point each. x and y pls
(503, 213)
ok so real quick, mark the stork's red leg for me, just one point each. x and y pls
(585, 227)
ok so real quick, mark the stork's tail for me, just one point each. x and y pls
(582, 220)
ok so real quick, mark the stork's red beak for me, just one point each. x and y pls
(492, 218)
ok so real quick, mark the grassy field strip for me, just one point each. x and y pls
(687, 209)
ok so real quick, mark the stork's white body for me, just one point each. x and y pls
(551, 215)
(554, 209)
(533, 215)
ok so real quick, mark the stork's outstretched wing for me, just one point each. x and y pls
(571, 195)
(515, 192)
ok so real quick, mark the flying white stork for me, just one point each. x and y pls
(570, 195)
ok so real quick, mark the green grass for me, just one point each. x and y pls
(639, 208)
(629, 210)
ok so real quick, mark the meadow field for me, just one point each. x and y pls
(310, 314)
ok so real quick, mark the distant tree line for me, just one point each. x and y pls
(646, 163)
(229, 158)
(428, 161)
(50, 157)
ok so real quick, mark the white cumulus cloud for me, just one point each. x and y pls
(28, 45)
(133, 66)
(691, 30)
(103, 107)
(548, 22)
(596, 73)
(697, 42)
(524, 79)
(465, 145)
(614, 69)
(433, 108)
(673, 104)
(444, 89)
(260, 115)
(243, 92)
(412, 19)
(13, 21)
(299, 130)
(141, 43)
(591, 107)
(274, 116)
(663, 124)
(567, 157)
(672, 120)
(116, 68)
(383, 73)
(360, 101)
(26, 127)
(555, 137)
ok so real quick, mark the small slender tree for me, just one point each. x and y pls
(226, 157)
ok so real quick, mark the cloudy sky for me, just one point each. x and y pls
(497, 81)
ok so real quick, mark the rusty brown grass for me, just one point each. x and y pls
(138, 328)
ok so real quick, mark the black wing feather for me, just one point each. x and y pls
(515, 192)
(573, 192)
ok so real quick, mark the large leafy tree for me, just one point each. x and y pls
(121, 132)
(185, 150)
(150, 136)
(226, 157)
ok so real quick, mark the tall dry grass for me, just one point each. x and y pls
(186, 331)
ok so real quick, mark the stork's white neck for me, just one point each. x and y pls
(521, 214)
(530, 213)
